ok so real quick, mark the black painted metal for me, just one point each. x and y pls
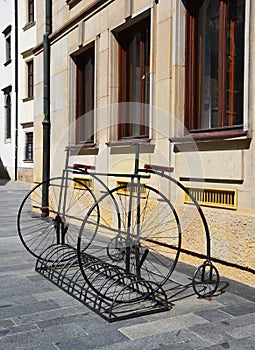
(113, 284)
(59, 264)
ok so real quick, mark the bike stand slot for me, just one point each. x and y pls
(117, 295)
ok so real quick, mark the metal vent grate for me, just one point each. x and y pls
(213, 197)
(86, 182)
(126, 191)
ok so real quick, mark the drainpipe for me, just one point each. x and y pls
(46, 101)
(16, 90)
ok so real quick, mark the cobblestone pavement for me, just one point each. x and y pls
(35, 314)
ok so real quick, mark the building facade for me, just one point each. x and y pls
(18, 30)
(8, 86)
(27, 39)
(177, 75)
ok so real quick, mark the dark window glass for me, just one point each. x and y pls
(85, 97)
(134, 80)
(214, 64)
(8, 116)
(30, 79)
(30, 10)
(8, 48)
(29, 146)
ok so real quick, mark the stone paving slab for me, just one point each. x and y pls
(162, 326)
(35, 314)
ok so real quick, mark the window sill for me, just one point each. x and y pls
(128, 142)
(28, 161)
(83, 149)
(209, 136)
(7, 62)
(28, 99)
(28, 25)
(214, 141)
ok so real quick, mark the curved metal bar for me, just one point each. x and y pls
(58, 264)
(74, 280)
(116, 301)
(67, 267)
(108, 191)
(51, 251)
(98, 297)
(202, 216)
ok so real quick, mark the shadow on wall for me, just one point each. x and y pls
(4, 176)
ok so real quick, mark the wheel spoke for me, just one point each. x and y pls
(67, 200)
(153, 249)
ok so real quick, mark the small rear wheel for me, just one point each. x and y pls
(206, 280)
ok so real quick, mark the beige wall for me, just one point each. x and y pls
(225, 163)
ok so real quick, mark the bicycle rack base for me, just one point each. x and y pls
(59, 264)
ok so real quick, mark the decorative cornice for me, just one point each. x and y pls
(7, 89)
(27, 53)
(95, 5)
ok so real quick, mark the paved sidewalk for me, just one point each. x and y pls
(35, 314)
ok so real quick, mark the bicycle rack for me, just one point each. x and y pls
(122, 296)
(108, 284)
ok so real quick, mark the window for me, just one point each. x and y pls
(8, 116)
(214, 64)
(30, 10)
(85, 97)
(8, 48)
(7, 111)
(29, 147)
(30, 79)
(7, 35)
(134, 80)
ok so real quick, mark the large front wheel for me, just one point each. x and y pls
(138, 236)
(56, 217)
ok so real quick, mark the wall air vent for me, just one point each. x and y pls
(126, 191)
(213, 197)
(86, 182)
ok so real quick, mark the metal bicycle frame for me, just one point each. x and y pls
(147, 296)
(138, 174)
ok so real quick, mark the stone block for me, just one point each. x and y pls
(162, 326)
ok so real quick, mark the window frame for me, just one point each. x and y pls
(85, 86)
(30, 11)
(29, 135)
(192, 109)
(8, 116)
(30, 79)
(8, 43)
(126, 122)
(8, 48)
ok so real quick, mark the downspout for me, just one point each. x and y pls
(16, 67)
(46, 102)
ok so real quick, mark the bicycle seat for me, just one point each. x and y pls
(168, 169)
(83, 166)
